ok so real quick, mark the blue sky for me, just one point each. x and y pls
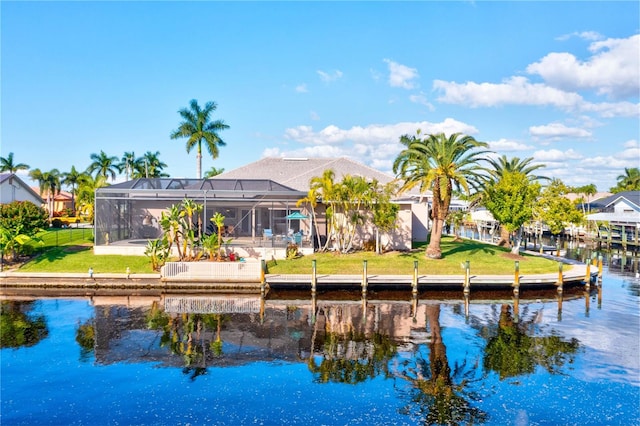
(556, 81)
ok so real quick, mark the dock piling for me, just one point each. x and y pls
(414, 286)
(364, 278)
(467, 278)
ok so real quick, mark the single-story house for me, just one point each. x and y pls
(258, 202)
(12, 188)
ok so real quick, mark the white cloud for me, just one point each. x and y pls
(557, 131)
(632, 144)
(614, 68)
(609, 110)
(329, 77)
(314, 116)
(422, 100)
(505, 145)
(301, 88)
(585, 35)
(515, 90)
(556, 155)
(401, 75)
(374, 133)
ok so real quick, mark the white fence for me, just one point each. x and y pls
(212, 271)
(212, 305)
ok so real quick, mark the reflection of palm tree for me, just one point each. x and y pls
(185, 335)
(18, 328)
(511, 352)
(438, 398)
(350, 355)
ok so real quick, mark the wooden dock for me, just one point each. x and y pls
(574, 276)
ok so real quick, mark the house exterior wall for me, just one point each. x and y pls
(13, 189)
(623, 206)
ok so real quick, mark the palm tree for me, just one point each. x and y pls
(323, 188)
(73, 179)
(197, 127)
(629, 181)
(127, 163)
(515, 164)
(87, 191)
(7, 164)
(152, 166)
(104, 166)
(440, 164)
(213, 172)
(49, 183)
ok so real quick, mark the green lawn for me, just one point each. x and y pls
(483, 258)
(75, 255)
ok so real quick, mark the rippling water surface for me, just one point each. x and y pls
(287, 359)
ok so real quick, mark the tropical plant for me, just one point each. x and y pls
(504, 165)
(127, 164)
(213, 172)
(49, 184)
(20, 222)
(440, 164)
(586, 190)
(218, 221)
(87, 193)
(104, 165)
(629, 181)
(149, 166)
(72, 178)
(158, 252)
(210, 245)
(7, 164)
(198, 127)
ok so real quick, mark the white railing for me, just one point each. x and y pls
(212, 305)
(214, 271)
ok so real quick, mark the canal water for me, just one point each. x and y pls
(149, 358)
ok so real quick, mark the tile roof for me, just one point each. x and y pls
(296, 173)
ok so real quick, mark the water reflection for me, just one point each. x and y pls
(341, 338)
(19, 326)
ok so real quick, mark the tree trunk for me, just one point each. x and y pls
(433, 249)
(504, 237)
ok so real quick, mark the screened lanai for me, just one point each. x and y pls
(130, 212)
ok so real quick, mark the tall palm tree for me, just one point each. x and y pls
(49, 183)
(629, 181)
(440, 164)
(127, 163)
(152, 165)
(103, 165)
(7, 164)
(72, 178)
(198, 127)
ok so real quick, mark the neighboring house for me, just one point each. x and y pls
(61, 201)
(12, 188)
(621, 210)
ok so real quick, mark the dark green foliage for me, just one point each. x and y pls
(23, 217)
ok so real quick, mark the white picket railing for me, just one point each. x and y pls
(212, 305)
(214, 271)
